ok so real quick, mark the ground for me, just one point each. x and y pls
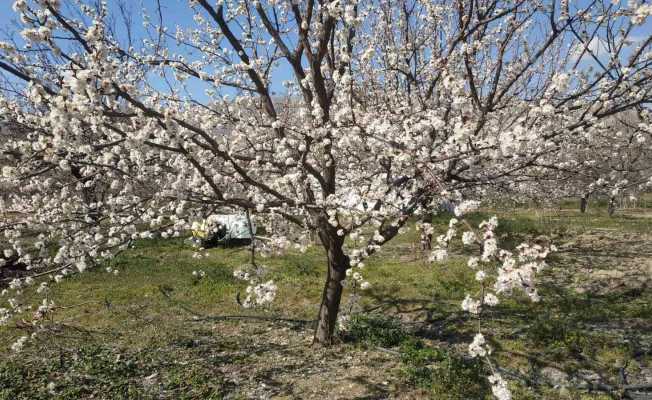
(154, 331)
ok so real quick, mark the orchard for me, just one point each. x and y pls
(344, 130)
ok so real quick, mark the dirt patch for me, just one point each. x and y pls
(607, 262)
(281, 363)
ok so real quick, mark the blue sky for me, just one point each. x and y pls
(177, 12)
(6, 13)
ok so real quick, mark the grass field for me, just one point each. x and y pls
(154, 331)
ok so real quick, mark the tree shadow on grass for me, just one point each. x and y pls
(571, 331)
(376, 391)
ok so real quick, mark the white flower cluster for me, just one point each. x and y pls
(499, 387)
(520, 272)
(15, 284)
(43, 309)
(5, 314)
(471, 305)
(199, 274)
(18, 345)
(425, 227)
(489, 244)
(511, 272)
(465, 207)
(440, 252)
(241, 274)
(479, 346)
(343, 320)
(356, 278)
(490, 299)
(43, 288)
(641, 13)
(258, 293)
(468, 238)
(439, 255)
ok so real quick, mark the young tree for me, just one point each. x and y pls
(387, 106)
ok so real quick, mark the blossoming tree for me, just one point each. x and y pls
(613, 159)
(385, 105)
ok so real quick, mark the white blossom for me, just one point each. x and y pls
(490, 299)
(439, 255)
(480, 276)
(19, 344)
(467, 206)
(471, 305)
(499, 387)
(479, 348)
(468, 238)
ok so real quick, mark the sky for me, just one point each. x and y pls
(178, 12)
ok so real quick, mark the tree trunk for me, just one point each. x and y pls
(426, 238)
(583, 203)
(338, 263)
(611, 209)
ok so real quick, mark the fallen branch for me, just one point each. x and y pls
(388, 351)
(253, 317)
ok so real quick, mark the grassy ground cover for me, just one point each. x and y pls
(155, 331)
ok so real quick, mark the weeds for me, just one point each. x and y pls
(447, 375)
(375, 330)
(100, 371)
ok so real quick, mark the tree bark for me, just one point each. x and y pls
(338, 263)
(611, 209)
(584, 201)
(426, 238)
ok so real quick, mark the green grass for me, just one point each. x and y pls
(155, 318)
(445, 374)
(182, 370)
(375, 330)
